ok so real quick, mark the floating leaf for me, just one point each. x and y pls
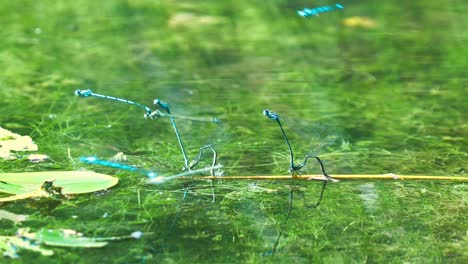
(53, 184)
(72, 182)
(10, 141)
(72, 238)
(10, 245)
(35, 194)
(62, 238)
(47, 190)
(12, 188)
(12, 217)
(24, 239)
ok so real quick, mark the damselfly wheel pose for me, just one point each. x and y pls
(190, 165)
(295, 169)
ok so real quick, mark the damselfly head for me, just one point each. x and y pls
(161, 104)
(83, 93)
(270, 115)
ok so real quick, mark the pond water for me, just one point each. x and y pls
(386, 80)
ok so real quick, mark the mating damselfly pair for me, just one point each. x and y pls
(189, 167)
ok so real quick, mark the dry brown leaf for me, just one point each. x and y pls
(10, 141)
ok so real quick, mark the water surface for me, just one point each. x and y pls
(392, 92)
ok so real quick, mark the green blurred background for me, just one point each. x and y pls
(386, 78)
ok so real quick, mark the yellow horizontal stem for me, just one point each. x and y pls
(340, 177)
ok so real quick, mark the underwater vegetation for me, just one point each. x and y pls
(222, 132)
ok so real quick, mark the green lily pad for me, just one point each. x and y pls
(12, 188)
(71, 182)
(47, 190)
(62, 238)
(24, 239)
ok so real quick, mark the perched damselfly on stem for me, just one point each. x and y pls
(190, 165)
(295, 169)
